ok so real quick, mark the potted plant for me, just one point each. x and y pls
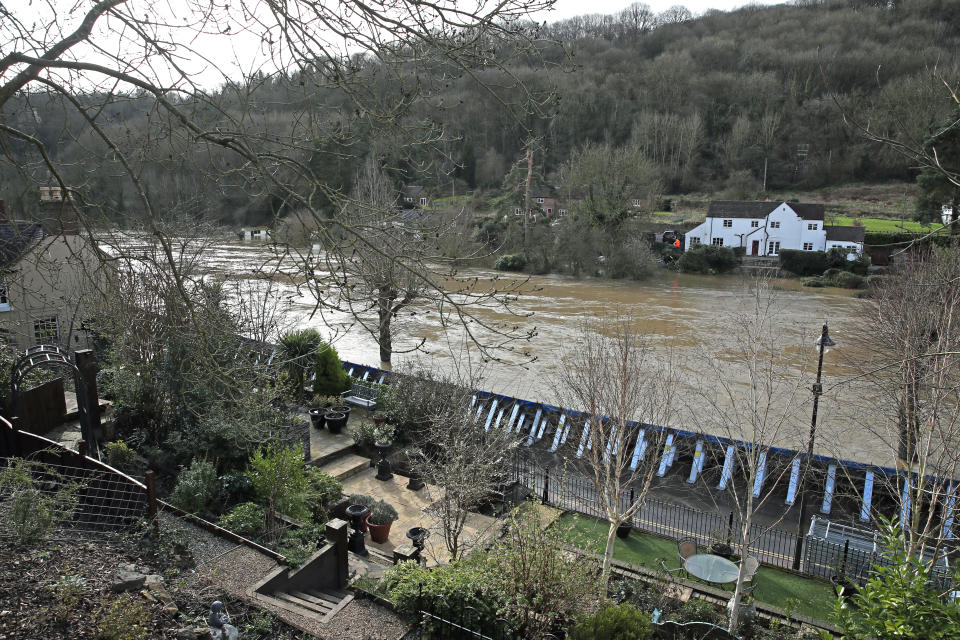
(380, 520)
(719, 545)
(379, 418)
(344, 409)
(336, 421)
(317, 417)
(624, 529)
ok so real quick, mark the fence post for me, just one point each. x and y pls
(730, 529)
(546, 487)
(82, 452)
(152, 500)
(15, 437)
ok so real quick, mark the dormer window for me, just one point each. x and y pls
(539, 200)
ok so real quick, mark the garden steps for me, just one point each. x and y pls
(345, 466)
(317, 604)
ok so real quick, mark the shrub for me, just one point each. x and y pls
(197, 488)
(236, 487)
(510, 262)
(383, 513)
(298, 349)
(448, 589)
(245, 519)
(300, 543)
(363, 499)
(331, 379)
(279, 480)
(323, 491)
(31, 512)
(122, 619)
(708, 259)
(814, 282)
(804, 263)
(845, 280)
(620, 622)
(696, 610)
(120, 455)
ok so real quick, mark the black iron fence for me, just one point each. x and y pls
(571, 491)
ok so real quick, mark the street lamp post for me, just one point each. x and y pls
(823, 342)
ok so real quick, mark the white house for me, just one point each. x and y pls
(255, 233)
(764, 228)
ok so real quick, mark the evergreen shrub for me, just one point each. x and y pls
(510, 262)
(331, 379)
(803, 263)
(708, 258)
(620, 622)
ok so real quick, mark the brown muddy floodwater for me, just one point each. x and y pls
(687, 314)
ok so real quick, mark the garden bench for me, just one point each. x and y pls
(362, 395)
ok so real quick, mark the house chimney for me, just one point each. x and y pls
(58, 213)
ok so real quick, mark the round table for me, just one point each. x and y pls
(711, 568)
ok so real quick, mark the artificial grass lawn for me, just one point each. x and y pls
(782, 589)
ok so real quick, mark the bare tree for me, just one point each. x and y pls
(462, 463)
(750, 397)
(911, 334)
(614, 377)
(331, 60)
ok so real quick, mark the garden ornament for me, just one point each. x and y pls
(219, 621)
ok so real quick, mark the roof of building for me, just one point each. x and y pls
(16, 239)
(844, 234)
(412, 191)
(750, 209)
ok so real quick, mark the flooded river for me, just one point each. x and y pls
(685, 313)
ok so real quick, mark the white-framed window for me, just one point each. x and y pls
(561, 212)
(423, 202)
(808, 246)
(539, 200)
(4, 297)
(636, 202)
(517, 211)
(773, 248)
(717, 242)
(408, 198)
(774, 224)
(811, 226)
(694, 240)
(754, 224)
(728, 223)
(46, 330)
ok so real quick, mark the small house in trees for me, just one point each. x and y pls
(255, 233)
(48, 273)
(543, 199)
(413, 196)
(764, 228)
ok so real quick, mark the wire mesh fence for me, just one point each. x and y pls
(75, 502)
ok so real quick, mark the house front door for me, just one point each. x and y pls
(755, 248)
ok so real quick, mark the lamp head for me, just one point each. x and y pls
(825, 338)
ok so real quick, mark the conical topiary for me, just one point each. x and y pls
(331, 379)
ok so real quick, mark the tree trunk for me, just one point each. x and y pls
(738, 590)
(608, 554)
(526, 197)
(385, 340)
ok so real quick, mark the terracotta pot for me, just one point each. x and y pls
(379, 532)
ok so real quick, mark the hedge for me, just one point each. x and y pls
(803, 263)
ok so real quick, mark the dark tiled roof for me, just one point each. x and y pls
(748, 209)
(412, 191)
(844, 234)
(541, 192)
(16, 238)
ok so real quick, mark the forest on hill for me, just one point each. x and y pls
(729, 101)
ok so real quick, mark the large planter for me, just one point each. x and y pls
(344, 409)
(336, 421)
(318, 418)
(623, 530)
(379, 532)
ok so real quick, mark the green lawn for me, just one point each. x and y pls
(781, 589)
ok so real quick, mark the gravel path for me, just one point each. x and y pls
(205, 546)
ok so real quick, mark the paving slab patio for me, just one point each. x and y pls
(411, 507)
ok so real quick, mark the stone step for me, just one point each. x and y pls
(313, 607)
(325, 454)
(345, 466)
(315, 604)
